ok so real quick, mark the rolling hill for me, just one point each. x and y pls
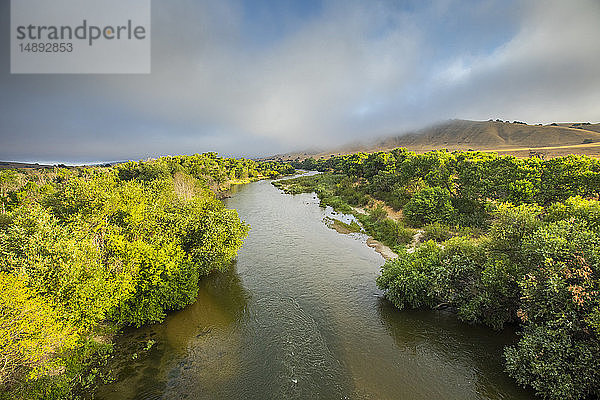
(490, 135)
(515, 138)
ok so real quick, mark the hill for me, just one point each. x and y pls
(19, 165)
(515, 138)
(490, 135)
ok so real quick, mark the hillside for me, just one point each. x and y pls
(17, 165)
(582, 125)
(515, 138)
(489, 135)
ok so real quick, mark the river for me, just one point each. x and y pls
(300, 317)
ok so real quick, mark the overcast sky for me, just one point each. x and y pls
(258, 77)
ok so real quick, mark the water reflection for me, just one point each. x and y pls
(470, 354)
(221, 301)
(201, 334)
(300, 317)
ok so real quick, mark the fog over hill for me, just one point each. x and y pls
(513, 137)
(489, 135)
(254, 78)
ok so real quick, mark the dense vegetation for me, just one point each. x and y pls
(340, 192)
(86, 251)
(507, 241)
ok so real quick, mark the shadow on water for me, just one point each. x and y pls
(143, 373)
(425, 335)
(300, 317)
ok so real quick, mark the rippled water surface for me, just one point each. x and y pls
(300, 317)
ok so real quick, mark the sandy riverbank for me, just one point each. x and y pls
(382, 249)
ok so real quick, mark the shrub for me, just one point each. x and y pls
(437, 232)
(556, 366)
(378, 213)
(429, 205)
(32, 334)
(511, 225)
(85, 253)
(408, 280)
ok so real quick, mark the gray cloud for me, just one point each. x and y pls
(241, 85)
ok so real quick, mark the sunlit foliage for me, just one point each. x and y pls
(515, 241)
(86, 251)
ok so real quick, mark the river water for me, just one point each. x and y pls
(300, 317)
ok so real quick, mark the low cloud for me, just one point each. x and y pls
(231, 78)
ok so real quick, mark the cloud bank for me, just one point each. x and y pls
(259, 77)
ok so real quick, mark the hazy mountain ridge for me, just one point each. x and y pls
(502, 136)
(490, 135)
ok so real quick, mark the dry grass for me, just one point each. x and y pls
(503, 137)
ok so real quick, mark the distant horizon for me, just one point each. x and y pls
(270, 155)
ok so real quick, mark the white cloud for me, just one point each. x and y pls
(548, 71)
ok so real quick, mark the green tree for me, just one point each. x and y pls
(429, 205)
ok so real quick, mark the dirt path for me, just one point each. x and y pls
(416, 240)
(386, 252)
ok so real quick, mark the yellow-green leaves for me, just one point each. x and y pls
(32, 333)
(85, 251)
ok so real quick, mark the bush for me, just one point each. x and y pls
(469, 212)
(408, 280)
(521, 262)
(437, 232)
(378, 213)
(556, 366)
(575, 207)
(511, 225)
(391, 233)
(32, 334)
(429, 205)
(84, 253)
(559, 353)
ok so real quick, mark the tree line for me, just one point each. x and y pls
(87, 251)
(507, 241)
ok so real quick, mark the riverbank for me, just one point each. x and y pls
(382, 249)
(383, 225)
(501, 240)
(354, 227)
(88, 251)
(300, 317)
